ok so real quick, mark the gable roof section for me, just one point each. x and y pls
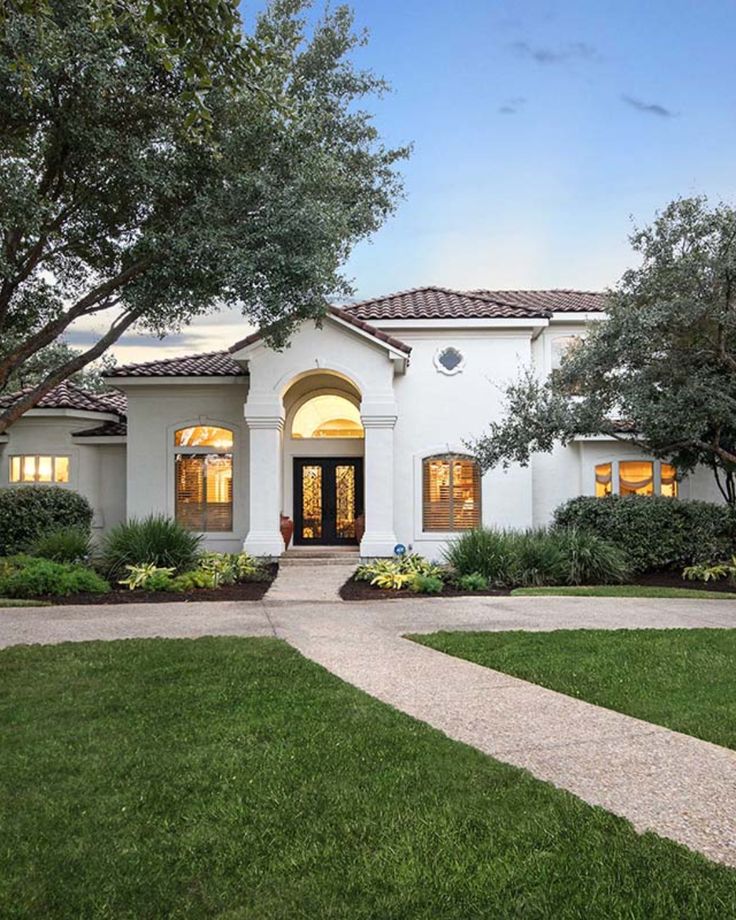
(69, 396)
(117, 429)
(444, 303)
(209, 364)
(347, 317)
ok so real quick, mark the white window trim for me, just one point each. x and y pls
(441, 369)
(436, 536)
(35, 482)
(615, 479)
(174, 449)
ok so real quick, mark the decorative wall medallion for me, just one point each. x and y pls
(449, 360)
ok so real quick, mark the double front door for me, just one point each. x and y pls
(328, 496)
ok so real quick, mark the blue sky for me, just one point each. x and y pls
(540, 130)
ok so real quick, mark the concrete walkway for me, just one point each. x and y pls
(660, 780)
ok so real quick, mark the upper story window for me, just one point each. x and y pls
(203, 475)
(327, 416)
(450, 493)
(449, 360)
(39, 468)
(635, 477)
(561, 344)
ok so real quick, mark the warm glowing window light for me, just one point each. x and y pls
(327, 417)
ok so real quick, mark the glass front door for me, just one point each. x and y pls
(328, 496)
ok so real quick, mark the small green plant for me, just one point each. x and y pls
(486, 551)
(472, 582)
(192, 581)
(68, 544)
(714, 572)
(398, 573)
(32, 576)
(155, 540)
(148, 577)
(587, 559)
(426, 584)
(231, 568)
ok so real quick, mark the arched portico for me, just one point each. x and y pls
(331, 361)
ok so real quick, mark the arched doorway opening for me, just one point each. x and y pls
(323, 460)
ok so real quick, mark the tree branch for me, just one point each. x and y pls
(55, 377)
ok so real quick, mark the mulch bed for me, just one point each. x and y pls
(247, 591)
(354, 590)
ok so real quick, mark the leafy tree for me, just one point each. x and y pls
(112, 206)
(660, 371)
(35, 369)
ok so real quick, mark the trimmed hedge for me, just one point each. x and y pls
(31, 576)
(30, 512)
(655, 532)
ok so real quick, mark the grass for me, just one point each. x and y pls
(684, 679)
(22, 602)
(233, 778)
(622, 591)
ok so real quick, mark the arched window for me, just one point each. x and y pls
(450, 493)
(327, 416)
(204, 478)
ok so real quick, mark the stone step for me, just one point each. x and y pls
(323, 556)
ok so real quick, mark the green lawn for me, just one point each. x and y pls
(22, 602)
(682, 678)
(622, 591)
(232, 778)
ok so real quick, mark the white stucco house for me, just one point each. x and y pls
(359, 425)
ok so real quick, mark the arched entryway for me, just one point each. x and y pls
(323, 454)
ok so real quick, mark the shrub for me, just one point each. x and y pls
(586, 559)
(148, 577)
(29, 512)
(536, 559)
(399, 572)
(426, 584)
(69, 544)
(485, 551)
(192, 581)
(655, 532)
(472, 582)
(32, 576)
(155, 540)
(229, 568)
(713, 572)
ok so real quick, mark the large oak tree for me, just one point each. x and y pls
(660, 371)
(120, 199)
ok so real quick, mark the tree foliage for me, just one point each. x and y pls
(112, 207)
(660, 371)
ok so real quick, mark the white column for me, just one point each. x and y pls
(265, 420)
(380, 537)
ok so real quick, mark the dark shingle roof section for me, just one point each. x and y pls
(444, 303)
(117, 429)
(348, 317)
(210, 364)
(555, 300)
(69, 396)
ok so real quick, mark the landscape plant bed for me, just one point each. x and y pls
(354, 590)
(245, 591)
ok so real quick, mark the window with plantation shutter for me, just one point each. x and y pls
(450, 493)
(204, 482)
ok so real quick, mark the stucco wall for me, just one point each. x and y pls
(155, 411)
(95, 471)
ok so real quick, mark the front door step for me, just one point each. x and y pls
(327, 555)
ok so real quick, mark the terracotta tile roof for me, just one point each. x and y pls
(209, 364)
(444, 303)
(557, 300)
(347, 316)
(107, 430)
(69, 396)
